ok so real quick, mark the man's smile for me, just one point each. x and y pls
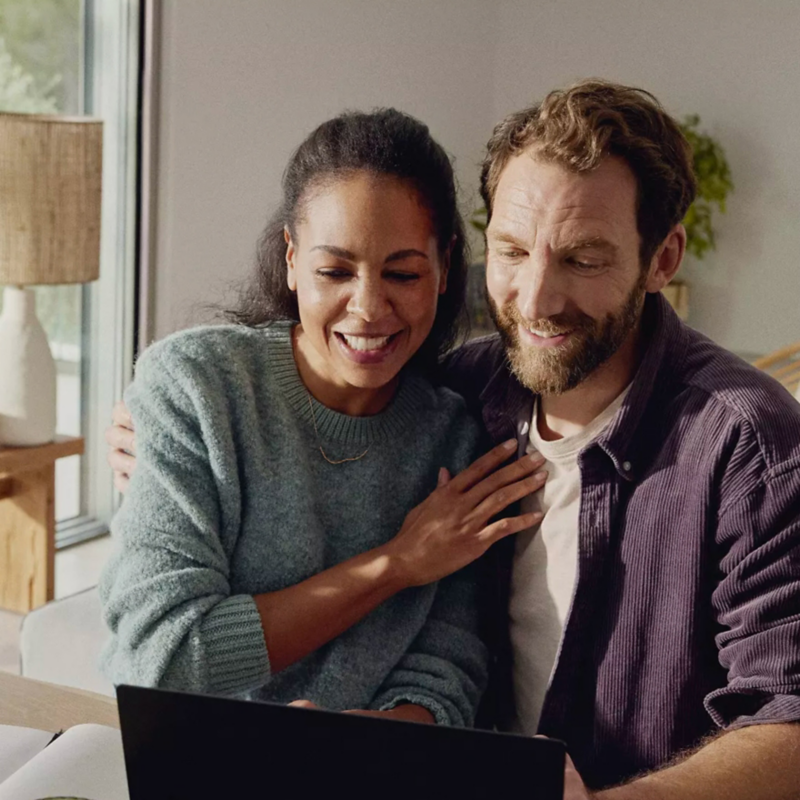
(542, 338)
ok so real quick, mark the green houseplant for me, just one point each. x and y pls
(714, 184)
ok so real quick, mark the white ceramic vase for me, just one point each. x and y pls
(27, 373)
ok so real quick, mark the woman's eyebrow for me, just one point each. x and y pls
(339, 252)
(347, 255)
(402, 254)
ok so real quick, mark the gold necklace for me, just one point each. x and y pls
(319, 443)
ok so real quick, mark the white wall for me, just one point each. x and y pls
(243, 82)
(735, 63)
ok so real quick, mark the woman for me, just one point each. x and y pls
(266, 544)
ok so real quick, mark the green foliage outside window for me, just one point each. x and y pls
(43, 39)
(40, 66)
(18, 89)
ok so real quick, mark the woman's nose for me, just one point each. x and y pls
(369, 301)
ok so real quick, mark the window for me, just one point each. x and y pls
(41, 71)
(81, 57)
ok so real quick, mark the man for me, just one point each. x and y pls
(654, 617)
(653, 620)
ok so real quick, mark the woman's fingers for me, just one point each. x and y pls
(480, 468)
(363, 712)
(449, 529)
(509, 525)
(303, 704)
(503, 497)
(516, 471)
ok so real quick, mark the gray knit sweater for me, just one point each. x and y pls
(231, 498)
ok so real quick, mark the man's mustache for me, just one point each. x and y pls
(551, 326)
(507, 317)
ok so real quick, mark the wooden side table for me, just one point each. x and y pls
(27, 521)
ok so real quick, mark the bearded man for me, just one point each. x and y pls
(652, 620)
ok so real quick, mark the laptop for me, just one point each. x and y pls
(179, 745)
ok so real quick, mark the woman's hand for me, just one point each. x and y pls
(408, 712)
(121, 446)
(441, 535)
(451, 528)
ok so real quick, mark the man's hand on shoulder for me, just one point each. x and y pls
(121, 446)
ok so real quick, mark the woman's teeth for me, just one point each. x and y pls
(365, 342)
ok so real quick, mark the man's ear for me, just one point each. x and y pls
(291, 275)
(667, 260)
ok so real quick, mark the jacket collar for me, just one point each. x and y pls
(506, 406)
(626, 440)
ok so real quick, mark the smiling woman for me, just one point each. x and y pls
(366, 268)
(289, 519)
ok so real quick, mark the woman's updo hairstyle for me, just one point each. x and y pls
(385, 142)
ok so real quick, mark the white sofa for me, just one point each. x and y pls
(61, 642)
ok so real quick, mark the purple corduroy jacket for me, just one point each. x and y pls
(686, 614)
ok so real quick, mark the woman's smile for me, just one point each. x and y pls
(367, 349)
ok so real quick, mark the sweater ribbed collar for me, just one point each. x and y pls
(393, 422)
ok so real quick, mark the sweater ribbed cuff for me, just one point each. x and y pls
(436, 708)
(235, 652)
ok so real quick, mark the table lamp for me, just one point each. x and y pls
(50, 177)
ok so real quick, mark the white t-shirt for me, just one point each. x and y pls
(545, 568)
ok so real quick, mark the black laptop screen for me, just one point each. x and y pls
(192, 746)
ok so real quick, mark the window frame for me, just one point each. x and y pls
(112, 90)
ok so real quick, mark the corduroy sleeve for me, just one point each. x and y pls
(445, 669)
(166, 592)
(757, 603)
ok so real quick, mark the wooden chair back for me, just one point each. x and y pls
(783, 365)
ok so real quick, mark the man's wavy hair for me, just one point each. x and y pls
(578, 127)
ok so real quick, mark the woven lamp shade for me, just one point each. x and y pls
(50, 177)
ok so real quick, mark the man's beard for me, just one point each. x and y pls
(591, 342)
